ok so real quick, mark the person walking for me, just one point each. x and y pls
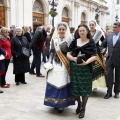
(81, 69)
(58, 93)
(97, 34)
(112, 45)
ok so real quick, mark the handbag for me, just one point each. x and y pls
(2, 57)
(24, 51)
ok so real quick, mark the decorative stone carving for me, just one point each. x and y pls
(37, 7)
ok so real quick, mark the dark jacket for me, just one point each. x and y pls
(27, 35)
(2, 64)
(37, 39)
(20, 63)
(47, 46)
(113, 51)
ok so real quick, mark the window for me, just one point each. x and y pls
(65, 12)
(37, 7)
(118, 2)
(83, 17)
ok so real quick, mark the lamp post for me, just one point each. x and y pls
(97, 11)
(116, 17)
(53, 12)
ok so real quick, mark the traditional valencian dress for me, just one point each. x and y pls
(58, 93)
(98, 71)
(81, 76)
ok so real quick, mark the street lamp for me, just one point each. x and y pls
(52, 11)
(97, 11)
(116, 18)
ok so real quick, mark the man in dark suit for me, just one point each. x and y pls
(112, 43)
(37, 44)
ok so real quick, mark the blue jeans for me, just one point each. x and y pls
(36, 63)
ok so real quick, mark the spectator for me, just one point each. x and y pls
(6, 45)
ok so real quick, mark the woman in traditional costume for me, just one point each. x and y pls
(98, 71)
(81, 74)
(58, 93)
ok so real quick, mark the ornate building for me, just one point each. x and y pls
(35, 12)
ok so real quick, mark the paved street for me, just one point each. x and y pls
(25, 102)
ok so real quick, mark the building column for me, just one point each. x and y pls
(13, 13)
(73, 13)
(7, 18)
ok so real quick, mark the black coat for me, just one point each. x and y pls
(27, 35)
(2, 62)
(38, 37)
(20, 63)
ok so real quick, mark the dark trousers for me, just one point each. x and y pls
(3, 81)
(110, 75)
(0, 80)
(20, 77)
(36, 63)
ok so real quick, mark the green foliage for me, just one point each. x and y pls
(53, 13)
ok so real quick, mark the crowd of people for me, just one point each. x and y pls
(85, 59)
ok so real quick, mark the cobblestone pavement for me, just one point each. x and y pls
(25, 102)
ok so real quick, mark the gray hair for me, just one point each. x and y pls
(117, 23)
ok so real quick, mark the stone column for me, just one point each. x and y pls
(7, 18)
(7, 13)
(13, 12)
(73, 14)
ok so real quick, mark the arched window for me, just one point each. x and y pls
(38, 14)
(118, 2)
(65, 12)
(37, 7)
(83, 18)
(65, 15)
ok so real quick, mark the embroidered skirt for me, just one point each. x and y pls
(58, 98)
(81, 80)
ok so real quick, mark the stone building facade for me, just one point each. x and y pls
(35, 12)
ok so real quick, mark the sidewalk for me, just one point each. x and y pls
(25, 102)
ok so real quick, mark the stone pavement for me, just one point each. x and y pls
(25, 102)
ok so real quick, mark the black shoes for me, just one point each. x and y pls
(77, 110)
(40, 75)
(17, 83)
(116, 95)
(1, 91)
(24, 82)
(82, 114)
(32, 73)
(60, 110)
(108, 95)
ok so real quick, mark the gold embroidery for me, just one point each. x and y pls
(59, 101)
(101, 63)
